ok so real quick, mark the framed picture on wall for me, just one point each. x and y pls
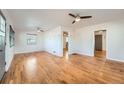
(31, 39)
(11, 36)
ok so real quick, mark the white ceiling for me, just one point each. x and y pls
(30, 19)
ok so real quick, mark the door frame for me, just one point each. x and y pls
(94, 40)
(68, 41)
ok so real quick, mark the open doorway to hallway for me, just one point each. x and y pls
(65, 43)
(100, 44)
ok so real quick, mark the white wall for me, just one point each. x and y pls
(9, 51)
(53, 41)
(114, 39)
(104, 40)
(21, 42)
(50, 41)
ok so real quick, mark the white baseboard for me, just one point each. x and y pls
(115, 59)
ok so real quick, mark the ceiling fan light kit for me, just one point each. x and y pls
(77, 19)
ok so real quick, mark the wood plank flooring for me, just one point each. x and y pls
(100, 54)
(44, 68)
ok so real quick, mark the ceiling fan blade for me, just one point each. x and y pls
(83, 17)
(73, 22)
(72, 15)
(42, 30)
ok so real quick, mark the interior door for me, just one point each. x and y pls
(98, 42)
(2, 46)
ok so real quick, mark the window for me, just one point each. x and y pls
(11, 36)
(2, 31)
(2, 24)
(31, 39)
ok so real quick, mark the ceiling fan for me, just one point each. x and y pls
(78, 17)
(39, 29)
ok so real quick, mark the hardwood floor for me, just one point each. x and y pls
(42, 67)
(100, 54)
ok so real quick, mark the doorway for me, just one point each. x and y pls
(2, 45)
(65, 43)
(100, 44)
